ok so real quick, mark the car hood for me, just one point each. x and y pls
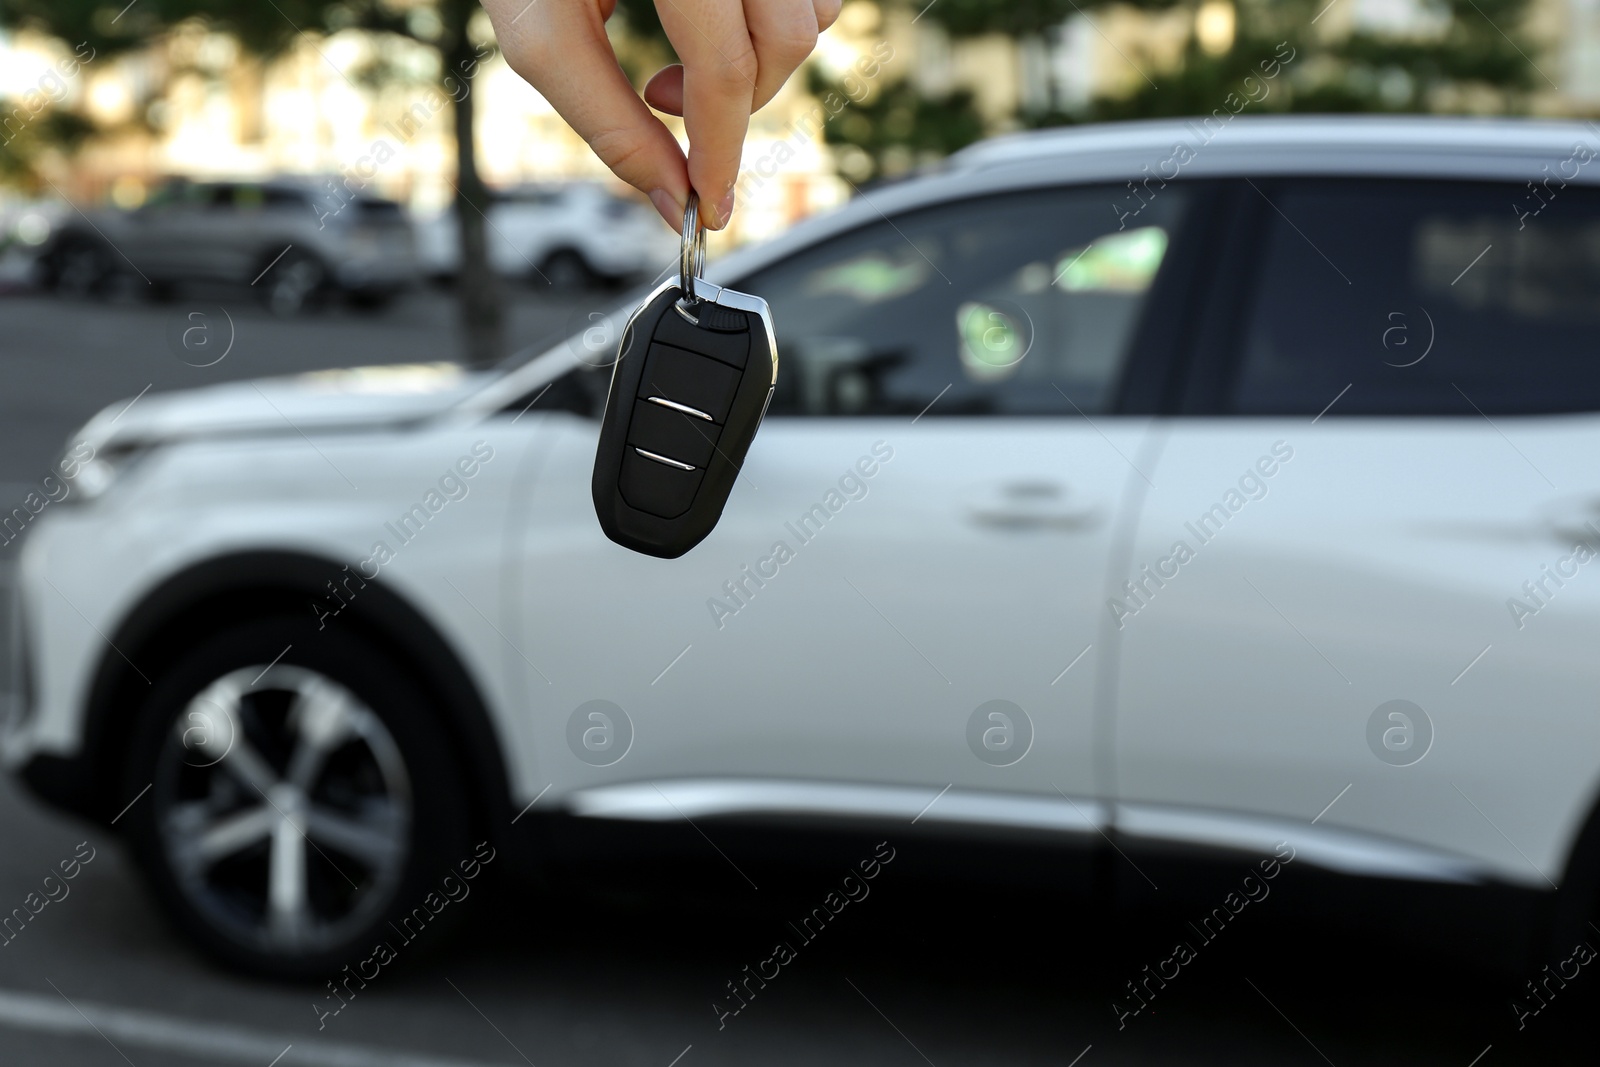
(346, 399)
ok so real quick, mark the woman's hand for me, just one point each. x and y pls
(736, 56)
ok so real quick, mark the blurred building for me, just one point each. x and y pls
(193, 103)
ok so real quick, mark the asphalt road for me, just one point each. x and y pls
(999, 958)
(64, 360)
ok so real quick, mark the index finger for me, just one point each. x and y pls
(719, 84)
(562, 51)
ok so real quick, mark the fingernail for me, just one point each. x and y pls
(725, 209)
(669, 206)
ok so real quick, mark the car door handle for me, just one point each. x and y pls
(1032, 505)
(1574, 520)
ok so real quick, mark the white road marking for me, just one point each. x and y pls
(212, 1041)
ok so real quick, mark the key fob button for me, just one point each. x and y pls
(721, 333)
(657, 488)
(666, 432)
(687, 378)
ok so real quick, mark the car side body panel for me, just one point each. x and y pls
(462, 568)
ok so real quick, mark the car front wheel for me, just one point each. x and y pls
(82, 269)
(565, 271)
(303, 800)
(295, 283)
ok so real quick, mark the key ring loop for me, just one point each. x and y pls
(692, 247)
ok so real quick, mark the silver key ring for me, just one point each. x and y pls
(692, 250)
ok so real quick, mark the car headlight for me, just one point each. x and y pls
(90, 475)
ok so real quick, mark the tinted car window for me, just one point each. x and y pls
(1424, 298)
(1024, 304)
(276, 197)
(249, 197)
(374, 209)
(541, 197)
(177, 193)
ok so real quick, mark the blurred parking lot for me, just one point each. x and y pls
(66, 359)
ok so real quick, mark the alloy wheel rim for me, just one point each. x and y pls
(293, 284)
(80, 271)
(284, 808)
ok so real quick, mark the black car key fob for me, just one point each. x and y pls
(693, 378)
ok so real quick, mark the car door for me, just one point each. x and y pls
(198, 234)
(523, 228)
(905, 586)
(1360, 593)
(160, 233)
(237, 233)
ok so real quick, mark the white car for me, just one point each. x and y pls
(567, 236)
(1234, 496)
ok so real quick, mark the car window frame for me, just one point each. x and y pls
(1206, 379)
(1165, 348)
(1147, 380)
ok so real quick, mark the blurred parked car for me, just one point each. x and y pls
(292, 240)
(1232, 499)
(564, 236)
(29, 223)
(25, 227)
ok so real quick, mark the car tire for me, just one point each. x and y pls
(371, 300)
(565, 271)
(294, 284)
(81, 268)
(304, 801)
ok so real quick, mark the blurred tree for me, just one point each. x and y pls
(33, 126)
(878, 135)
(1474, 56)
(24, 145)
(446, 27)
(896, 127)
(1459, 56)
(1455, 59)
(1020, 18)
(641, 42)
